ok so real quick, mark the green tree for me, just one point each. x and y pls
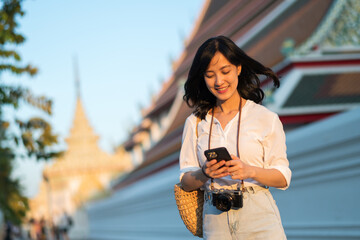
(34, 135)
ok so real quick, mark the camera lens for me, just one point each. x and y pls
(224, 202)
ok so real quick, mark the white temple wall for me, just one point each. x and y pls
(323, 198)
(321, 203)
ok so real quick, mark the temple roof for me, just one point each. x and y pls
(83, 154)
(326, 89)
(81, 129)
(274, 21)
(338, 30)
(316, 85)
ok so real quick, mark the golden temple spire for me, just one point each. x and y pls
(82, 171)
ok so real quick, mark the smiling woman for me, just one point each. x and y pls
(224, 88)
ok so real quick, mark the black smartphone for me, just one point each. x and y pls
(219, 154)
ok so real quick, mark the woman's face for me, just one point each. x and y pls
(221, 78)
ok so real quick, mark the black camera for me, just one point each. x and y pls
(224, 200)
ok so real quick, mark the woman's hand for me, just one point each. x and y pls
(195, 179)
(237, 169)
(215, 169)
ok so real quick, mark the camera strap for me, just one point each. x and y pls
(237, 142)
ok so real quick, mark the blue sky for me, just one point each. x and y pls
(123, 51)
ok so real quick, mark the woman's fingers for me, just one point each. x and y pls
(236, 169)
(235, 164)
(221, 175)
(214, 165)
(216, 169)
(241, 170)
(210, 163)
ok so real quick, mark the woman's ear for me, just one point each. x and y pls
(239, 70)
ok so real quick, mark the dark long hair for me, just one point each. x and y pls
(197, 94)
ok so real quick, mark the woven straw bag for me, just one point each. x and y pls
(190, 206)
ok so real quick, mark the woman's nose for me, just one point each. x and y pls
(218, 80)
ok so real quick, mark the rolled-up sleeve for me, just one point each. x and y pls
(275, 150)
(188, 158)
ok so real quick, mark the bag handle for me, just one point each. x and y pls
(197, 123)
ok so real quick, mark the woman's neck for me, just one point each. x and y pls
(229, 105)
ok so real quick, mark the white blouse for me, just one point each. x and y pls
(261, 143)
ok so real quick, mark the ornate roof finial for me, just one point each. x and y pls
(77, 78)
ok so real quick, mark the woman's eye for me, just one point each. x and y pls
(209, 75)
(226, 72)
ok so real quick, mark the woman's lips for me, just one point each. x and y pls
(222, 90)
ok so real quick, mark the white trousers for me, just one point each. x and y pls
(259, 218)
